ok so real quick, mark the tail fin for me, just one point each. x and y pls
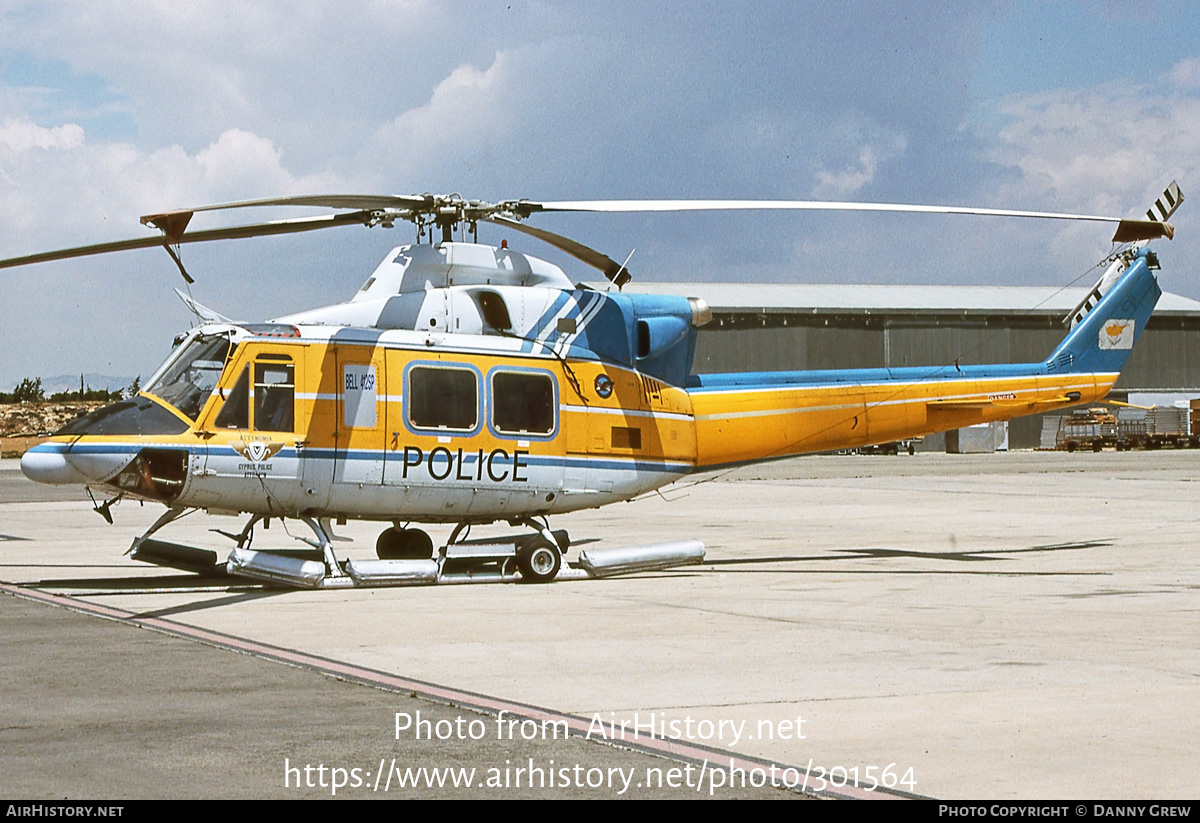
(1106, 324)
(1103, 337)
(1165, 206)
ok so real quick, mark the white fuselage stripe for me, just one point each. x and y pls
(898, 384)
(626, 412)
(383, 398)
(872, 405)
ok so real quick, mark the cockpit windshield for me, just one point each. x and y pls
(192, 374)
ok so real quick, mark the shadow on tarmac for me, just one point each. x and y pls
(958, 556)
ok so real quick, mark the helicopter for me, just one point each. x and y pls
(470, 384)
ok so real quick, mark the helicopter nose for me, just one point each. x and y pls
(97, 450)
(74, 463)
(48, 463)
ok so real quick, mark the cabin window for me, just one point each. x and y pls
(441, 398)
(236, 412)
(522, 403)
(274, 396)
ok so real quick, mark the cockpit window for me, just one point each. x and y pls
(190, 378)
(273, 397)
(236, 412)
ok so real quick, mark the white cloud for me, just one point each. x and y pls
(789, 152)
(243, 162)
(467, 110)
(54, 183)
(516, 125)
(852, 179)
(22, 135)
(1185, 74)
(1110, 148)
(317, 78)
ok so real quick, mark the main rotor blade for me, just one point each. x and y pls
(328, 201)
(613, 270)
(173, 223)
(302, 224)
(1127, 230)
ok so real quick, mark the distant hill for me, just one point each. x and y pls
(70, 382)
(30, 419)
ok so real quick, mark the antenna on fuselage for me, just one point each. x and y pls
(616, 278)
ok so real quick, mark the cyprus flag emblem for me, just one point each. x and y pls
(1117, 334)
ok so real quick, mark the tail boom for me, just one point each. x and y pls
(744, 424)
(758, 416)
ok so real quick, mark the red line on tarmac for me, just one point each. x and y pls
(671, 749)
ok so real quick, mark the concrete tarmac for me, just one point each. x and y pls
(98, 710)
(1002, 626)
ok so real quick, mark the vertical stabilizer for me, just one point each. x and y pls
(1165, 206)
(1102, 340)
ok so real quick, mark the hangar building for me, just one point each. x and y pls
(768, 327)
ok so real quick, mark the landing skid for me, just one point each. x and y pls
(536, 557)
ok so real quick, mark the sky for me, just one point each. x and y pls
(110, 110)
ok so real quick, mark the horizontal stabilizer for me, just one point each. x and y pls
(974, 403)
(1008, 401)
(1069, 397)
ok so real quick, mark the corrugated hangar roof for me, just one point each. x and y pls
(823, 298)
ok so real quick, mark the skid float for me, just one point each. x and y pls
(524, 558)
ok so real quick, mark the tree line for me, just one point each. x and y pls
(30, 390)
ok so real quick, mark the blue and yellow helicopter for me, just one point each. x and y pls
(471, 384)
